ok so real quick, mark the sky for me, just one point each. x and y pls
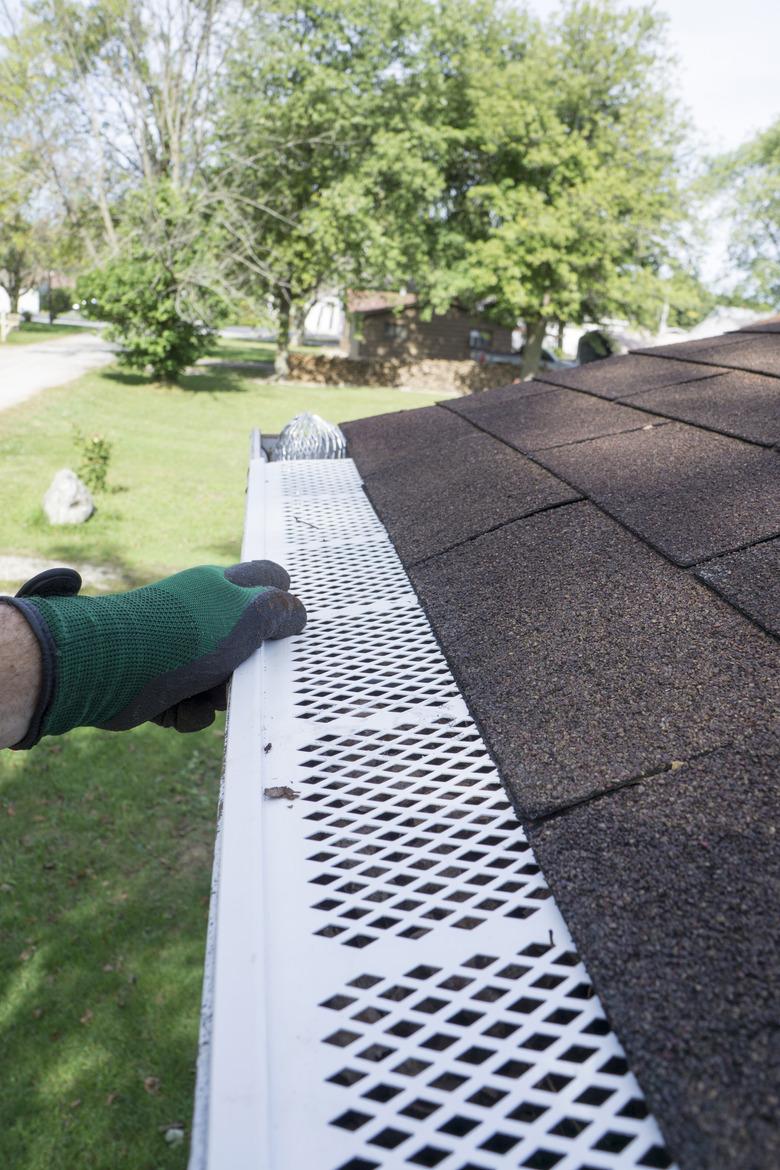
(728, 77)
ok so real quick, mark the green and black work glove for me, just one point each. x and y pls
(164, 652)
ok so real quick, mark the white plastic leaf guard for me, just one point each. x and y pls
(307, 436)
(389, 984)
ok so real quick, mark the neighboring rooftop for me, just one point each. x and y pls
(598, 552)
(378, 301)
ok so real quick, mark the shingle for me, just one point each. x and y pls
(734, 403)
(750, 580)
(619, 377)
(690, 493)
(384, 439)
(536, 422)
(759, 353)
(512, 392)
(672, 892)
(452, 492)
(586, 658)
(679, 350)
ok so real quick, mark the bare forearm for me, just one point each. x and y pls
(20, 675)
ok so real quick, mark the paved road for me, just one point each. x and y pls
(27, 369)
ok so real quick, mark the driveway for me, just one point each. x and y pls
(27, 369)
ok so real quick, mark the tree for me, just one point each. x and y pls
(573, 198)
(108, 103)
(18, 267)
(317, 120)
(454, 144)
(157, 290)
(102, 96)
(750, 180)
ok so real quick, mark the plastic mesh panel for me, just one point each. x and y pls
(363, 665)
(490, 1058)
(401, 844)
(426, 1003)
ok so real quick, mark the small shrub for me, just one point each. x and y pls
(95, 456)
(139, 299)
(56, 301)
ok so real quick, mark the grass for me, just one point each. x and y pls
(178, 467)
(31, 331)
(105, 849)
(104, 881)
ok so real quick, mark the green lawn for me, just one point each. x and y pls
(178, 467)
(105, 841)
(30, 331)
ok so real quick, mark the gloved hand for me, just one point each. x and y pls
(164, 652)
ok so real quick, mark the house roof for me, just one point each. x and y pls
(371, 301)
(598, 552)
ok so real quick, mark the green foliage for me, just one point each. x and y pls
(156, 291)
(18, 265)
(750, 180)
(573, 198)
(688, 299)
(328, 148)
(94, 458)
(137, 296)
(458, 145)
(57, 300)
(527, 169)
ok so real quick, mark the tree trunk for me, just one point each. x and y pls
(297, 324)
(282, 359)
(532, 350)
(51, 303)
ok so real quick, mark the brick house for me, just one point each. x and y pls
(390, 325)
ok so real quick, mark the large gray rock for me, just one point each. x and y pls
(68, 500)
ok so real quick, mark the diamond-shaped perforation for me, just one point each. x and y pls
(410, 849)
(316, 517)
(404, 839)
(424, 1062)
(359, 666)
(318, 477)
(367, 575)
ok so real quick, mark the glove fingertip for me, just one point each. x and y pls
(60, 582)
(252, 573)
(281, 614)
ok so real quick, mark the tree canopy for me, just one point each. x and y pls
(458, 146)
(750, 180)
(572, 201)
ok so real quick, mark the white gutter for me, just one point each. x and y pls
(389, 982)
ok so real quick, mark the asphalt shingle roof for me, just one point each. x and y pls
(682, 943)
(743, 405)
(623, 376)
(599, 554)
(690, 493)
(759, 353)
(551, 418)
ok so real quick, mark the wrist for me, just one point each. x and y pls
(20, 674)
